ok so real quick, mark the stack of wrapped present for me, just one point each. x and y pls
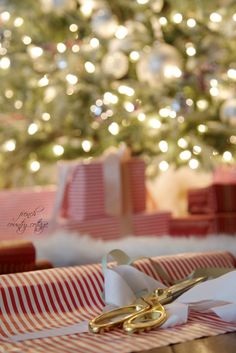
(212, 210)
(106, 198)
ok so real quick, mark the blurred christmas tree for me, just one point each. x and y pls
(80, 75)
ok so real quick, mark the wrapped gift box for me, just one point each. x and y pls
(200, 225)
(225, 174)
(25, 211)
(225, 223)
(151, 224)
(216, 198)
(67, 296)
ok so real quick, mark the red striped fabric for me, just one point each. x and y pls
(40, 300)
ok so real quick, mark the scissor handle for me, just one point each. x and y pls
(146, 320)
(115, 317)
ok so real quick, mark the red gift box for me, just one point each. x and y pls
(25, 211)
(151, 223)
(225, 223)
(192, 225)
(216, 198)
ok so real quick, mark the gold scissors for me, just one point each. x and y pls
(145, 313)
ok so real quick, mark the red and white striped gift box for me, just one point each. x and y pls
(151, 223)
(35, 301)
(105, 228)
(23, 210)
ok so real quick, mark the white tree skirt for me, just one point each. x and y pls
(66, 249)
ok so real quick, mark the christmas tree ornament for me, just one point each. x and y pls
(162, 63)
(104, 23)
(228, 111)
(115, 64)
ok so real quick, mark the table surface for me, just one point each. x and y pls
(215, 344)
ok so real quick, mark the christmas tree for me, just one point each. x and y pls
(78, 76)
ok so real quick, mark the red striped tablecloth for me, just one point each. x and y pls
(40, 300)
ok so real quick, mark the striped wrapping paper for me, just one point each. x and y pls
(151, 223)
(55, 298)
(25, 211)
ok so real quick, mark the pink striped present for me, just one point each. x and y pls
(225, 174)
(25, 211)
(37, 302)
(151, 223)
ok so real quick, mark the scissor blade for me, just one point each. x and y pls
(177, 289)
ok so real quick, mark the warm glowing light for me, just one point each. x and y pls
(163, 166)
(129, 107)
(163, 21)
(34, 166)
(182, 143)
(142, 2)
(46, 116)
(89, 67)
(181, 119)
(75, 48)
(9, 93)
(164, 112)
(193, 163)
(72, 79)
(33, 128)
(73, 27)
(58, 150)
(185, 155)
(18, 22)
(154, 123)
(202, 104)
(213, 82)
(87, 8)
(177, 18)
(9, 145)
(35, 52)
(5, 63)
(189, 102)
(99, 102)
(227, 156)
(86, 145)
(121, 32)
(172, 71)
(26, 40)
(18, 104)
(141, 117)
(163, 145)
(110, 98)
(61, 47)
(232, 139)
(234, 17)
(113, 128)
(232, 74)
(128, 91)
(214, 91)
(190, 49)
(191, 22)
(94, 42)
(215, 17)
(43, 81)
(5, 16)
(202, 128)
(134, 55)
(197, 149)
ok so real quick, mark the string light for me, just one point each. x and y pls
(197, 149)
(190, 49)
(232, 139)
(121, 32)
(154, 123)
(73, 27)
(163, 145)
(72, 79)
(46, 116)
(232, 74)
(86, 145)
(9, 93)
(18, 104)
(172, 71)
(128, 91)
(3, 51)
(9, 145)
(129, 107)
(163, 166)
(215, 17)
(163, 21)
(43, 81)
(164, 112)
(61, 47)
(142, 2)
(182, 143)
(141, 117)
(185, 155)
(26, 40)
(134, 55)
(58, 150)
(18, 22)
(5, 16)
(113, 128)
(234, 17)
(227, 156)
(191, 22)
(189, 102)
(177, 18)
(94, 42)
(89, 67)
(214, 91)
(193, 163)
(181, 119)
(87, 7)
(34, 166)
(202, 128)
(110, 98)
(202, 104)
(33, 128)
(75, 48)
(5, 63)
(35, 52)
